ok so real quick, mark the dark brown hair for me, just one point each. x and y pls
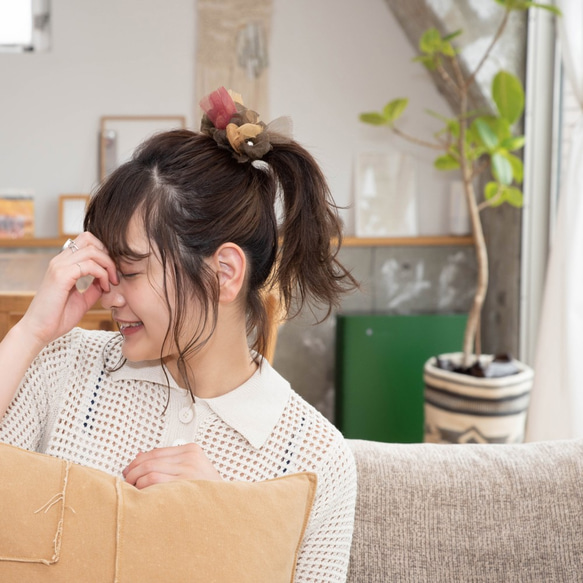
(194, 196)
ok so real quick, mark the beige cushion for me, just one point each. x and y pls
(63, 522)
(481, 513)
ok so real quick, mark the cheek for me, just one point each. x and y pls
(191, 322)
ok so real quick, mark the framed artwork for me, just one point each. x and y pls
(120, 135)
(385, 194)
(71, 214)
(16, 214)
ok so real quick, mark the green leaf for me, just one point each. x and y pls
(430, 41)
(447, 49)
(556, 11)
(475, 153)
(446, 162)
(485, 133)
(452, 35)
(500, 127)
(513, 196)
(491, 191)
(513, 143)
(373, 118)
(508, 95)
(501, 168)
(437, 115)
(472, 135)
(394, 109)
(453, 127)
(517, 166)
(429, 61)
(512, 4)
(515, 4)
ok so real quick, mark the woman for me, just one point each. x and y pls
(182, 243)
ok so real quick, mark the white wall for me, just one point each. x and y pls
(330, 60)
(107, 58)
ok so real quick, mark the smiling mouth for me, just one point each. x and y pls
(125, 326)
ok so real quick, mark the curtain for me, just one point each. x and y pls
(556, 410)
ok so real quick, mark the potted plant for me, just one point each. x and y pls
(470, 396)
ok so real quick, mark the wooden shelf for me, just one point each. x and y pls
(347, 242)
(33, 242)
(405, 241)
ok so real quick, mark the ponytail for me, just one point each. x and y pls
(307, 270)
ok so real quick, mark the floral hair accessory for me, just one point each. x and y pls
(239, 129)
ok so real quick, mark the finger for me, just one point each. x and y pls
(90, 270)
(172, 470)
(141, 459)
(165, 452)
(151, 456)
(86, 245)
(180, 456)
(94, 262)
(89, 239)
(185, 462)
(153, 479)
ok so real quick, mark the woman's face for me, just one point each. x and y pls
(138, 303)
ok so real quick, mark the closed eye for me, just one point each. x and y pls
(127, 275)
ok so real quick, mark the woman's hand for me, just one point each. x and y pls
(168, 464)
(58, 306)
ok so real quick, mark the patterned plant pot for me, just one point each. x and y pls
(464, 409)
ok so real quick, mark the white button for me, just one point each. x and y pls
(186, 414)
(179, 442)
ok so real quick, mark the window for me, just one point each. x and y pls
(24, 25)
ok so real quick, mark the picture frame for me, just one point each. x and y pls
(71, 214)
(385, 195)
(120, 135)
(16, 213)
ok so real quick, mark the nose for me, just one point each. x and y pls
(114, 298)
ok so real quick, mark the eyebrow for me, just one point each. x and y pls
(134, 258)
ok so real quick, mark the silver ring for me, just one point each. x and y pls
(70, 244)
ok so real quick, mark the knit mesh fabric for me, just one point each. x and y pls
(68, 406)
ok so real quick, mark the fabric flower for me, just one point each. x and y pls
(237, 128)
(219, 107)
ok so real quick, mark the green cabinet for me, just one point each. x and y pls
(379, 371)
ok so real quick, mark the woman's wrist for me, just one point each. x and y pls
(27, 344)
(17, 351)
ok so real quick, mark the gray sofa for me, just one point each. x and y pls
(468, 513)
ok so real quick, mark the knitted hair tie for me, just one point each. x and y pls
(239, 129)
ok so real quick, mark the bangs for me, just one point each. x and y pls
(124, 194)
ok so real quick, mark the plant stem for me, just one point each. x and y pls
(473, 324)
(417, 141)
(497, 36)
(475, 312)
(448, 80)
(488, 203)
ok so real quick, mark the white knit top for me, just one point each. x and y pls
(77, 404)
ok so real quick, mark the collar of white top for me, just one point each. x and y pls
(252, 409)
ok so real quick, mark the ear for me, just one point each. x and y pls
(230, 263)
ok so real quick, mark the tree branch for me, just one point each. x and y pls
(418, 141)
(448, 80)
(497, 36)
